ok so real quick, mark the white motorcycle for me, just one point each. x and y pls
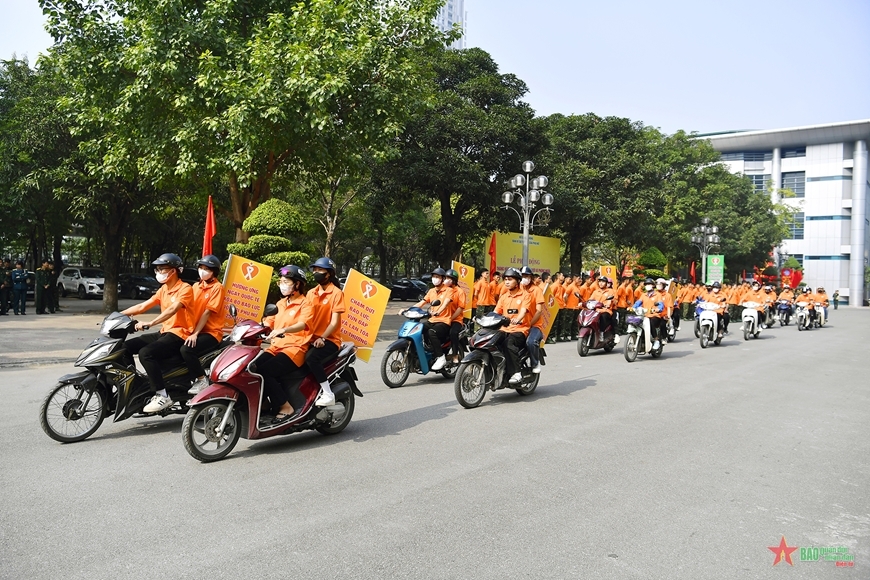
(802, 315)
(750, 320)
(709, 322)
(820, 315)
(638, 336)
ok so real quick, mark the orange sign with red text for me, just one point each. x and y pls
(365, 302)
(466, 282)
(247, 286)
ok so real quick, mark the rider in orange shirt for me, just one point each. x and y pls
(515, 303)
(606, 297)
(437, 327)
(536, 330)
(208, 320)
(451, 279)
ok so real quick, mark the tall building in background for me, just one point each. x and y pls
(451, 13)
(826, 167)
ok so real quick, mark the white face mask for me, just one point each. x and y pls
(161, 277)
(526, 281)
(436, 281)
(205, 274)
(286, 289)
(648, 287)
(715, 289)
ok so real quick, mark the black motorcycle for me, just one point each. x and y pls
(75, 408)
(485, 367)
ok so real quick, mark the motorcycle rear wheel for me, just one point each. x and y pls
(395, 368)
(64, 417)
(449, 371)
(529, 388)
(198, 432)
(469, 386)
(746, 332)
(583, 345)
(630, 351)
(705, 337)
(349, 405)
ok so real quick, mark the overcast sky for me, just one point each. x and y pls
(675, 64)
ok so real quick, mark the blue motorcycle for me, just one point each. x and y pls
(411, 353)
(784, 312)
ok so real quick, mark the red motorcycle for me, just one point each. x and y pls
(589, 336)
(232, 406)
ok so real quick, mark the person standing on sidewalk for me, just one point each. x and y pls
(836, 297)
(19, 288)
(41, 288)
(5, 287)
(51, 295)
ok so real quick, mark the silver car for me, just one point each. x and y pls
(83, 282)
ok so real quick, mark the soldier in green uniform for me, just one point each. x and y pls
(53, 299)
(42, 285)
(5, 287)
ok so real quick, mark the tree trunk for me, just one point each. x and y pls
(452, 246)
(382, 255)
(113, 230)
(575, 248)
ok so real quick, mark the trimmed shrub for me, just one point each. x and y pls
(274, 218)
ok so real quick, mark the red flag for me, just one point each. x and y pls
(692, 272)
(796, 277)
(492, 263)
(210, 229)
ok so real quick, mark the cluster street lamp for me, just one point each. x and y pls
(527, 199)
(705, 238)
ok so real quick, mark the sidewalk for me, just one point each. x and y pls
(59, 338)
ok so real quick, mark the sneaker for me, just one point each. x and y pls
(439, 363)
(615, 339)
(516, 378)
(325, 400)
(537, 369)
(741, 328)
(656, 345)
(157, 403)
(197, 386)
(600, 337)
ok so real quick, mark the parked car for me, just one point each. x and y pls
(83, 282)
(137, 286)
(189, 274)
(408, 289)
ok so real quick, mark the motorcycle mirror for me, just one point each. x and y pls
(436, 303)
(271, 310)
(233, 311)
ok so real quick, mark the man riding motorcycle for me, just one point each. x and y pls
(606, 296)
(437, 326)
(515, 303)
(655, 311)
(718, 297)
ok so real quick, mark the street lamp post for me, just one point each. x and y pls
(527, 199)
(705, 238)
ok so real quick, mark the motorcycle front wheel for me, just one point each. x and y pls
(469, 386)
(69, 413)
(705, 337)
(583, 345)
(342, 422)
(199, 432)
(395, 368)
(631, 347)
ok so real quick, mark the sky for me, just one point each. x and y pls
(695, 65)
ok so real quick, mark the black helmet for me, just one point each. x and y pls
(168, 260)
(513, 273)
(526, 271)
(649, 281)
(293, 272)
(211, 262)
(452, 274)
(604, 279)
(324, 263)
(439, 271)
(717, 284)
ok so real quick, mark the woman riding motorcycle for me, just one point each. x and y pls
(451, 280)
(604, 295)
(327, 305)
(208, 320)
(655, 311)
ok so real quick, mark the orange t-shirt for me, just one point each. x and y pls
(649, 304)
(605, 297)
(289, 313)
(325, 301)
(759, 296)
(558, 291)
(445, 308)
(483, 293)
(209, 297)
(572, 300)
(180, 323)
(537, 303)
(510, 304)
(458, 303)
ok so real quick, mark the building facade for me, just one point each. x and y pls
(826, 168)
(452, 12)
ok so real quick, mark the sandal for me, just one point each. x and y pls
(282, 417)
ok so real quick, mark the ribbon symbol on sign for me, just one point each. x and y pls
(368, 289)
(249, 270)
(464, 271)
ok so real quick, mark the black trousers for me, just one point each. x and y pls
(273, 367)
(152, 348)
(657, 327)
(605, 319)
(437, 334)
(204, 343)
(455, 329)
(5, 298)
(315, 358)
(514, 343)
(18, 300)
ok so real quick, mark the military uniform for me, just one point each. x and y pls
(5, 287)
(41, 290)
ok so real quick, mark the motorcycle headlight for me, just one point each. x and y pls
(94, 353)
(238, 332)
(231, 370)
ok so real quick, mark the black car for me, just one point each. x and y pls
(137, 286)
(190, 274)
(408, 289)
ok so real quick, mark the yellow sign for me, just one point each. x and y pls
(247, 286)
(365, 302)
(610, 272)
(544, 252)
(551, 309)
(466, 282)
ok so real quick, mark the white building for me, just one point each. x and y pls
(826, 167)
(451, 13)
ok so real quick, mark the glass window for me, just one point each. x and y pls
(796, 228)
(759, 181)
(794, 152)
(795, 181)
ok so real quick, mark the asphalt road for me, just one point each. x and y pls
(687, 467)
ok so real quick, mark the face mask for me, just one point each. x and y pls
(715, 290)
(526, 281)
(205, 274)
(648, 287)
(320, 277)
(286, 289)
(660, 287)
(436, 281)
(162, 277)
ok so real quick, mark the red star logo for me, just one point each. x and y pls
(783, 552)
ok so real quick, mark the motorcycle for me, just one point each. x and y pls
(484, 367)
(232, 405)
(820, 315)
(769, 316)
(750, 320)
(709, 321)
(590, 333)
(783, 310)
(802, 315)
(410, 352)
(75, 408)
(638, 338)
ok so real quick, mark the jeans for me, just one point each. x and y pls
(533, 345)
(18, 299)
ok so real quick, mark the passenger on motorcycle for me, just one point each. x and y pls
(437, 327)
(288, 342)
(822, 298)
(606, 296)
(175, 298)
(718, 297)
(536, 330)
(664, 295)
(451, 280)
(515, 303)
(327, 305)
(208, 320)
(806, 295)
(655, 311)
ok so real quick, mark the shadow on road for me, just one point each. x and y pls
(562, 389)
(146, 427)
